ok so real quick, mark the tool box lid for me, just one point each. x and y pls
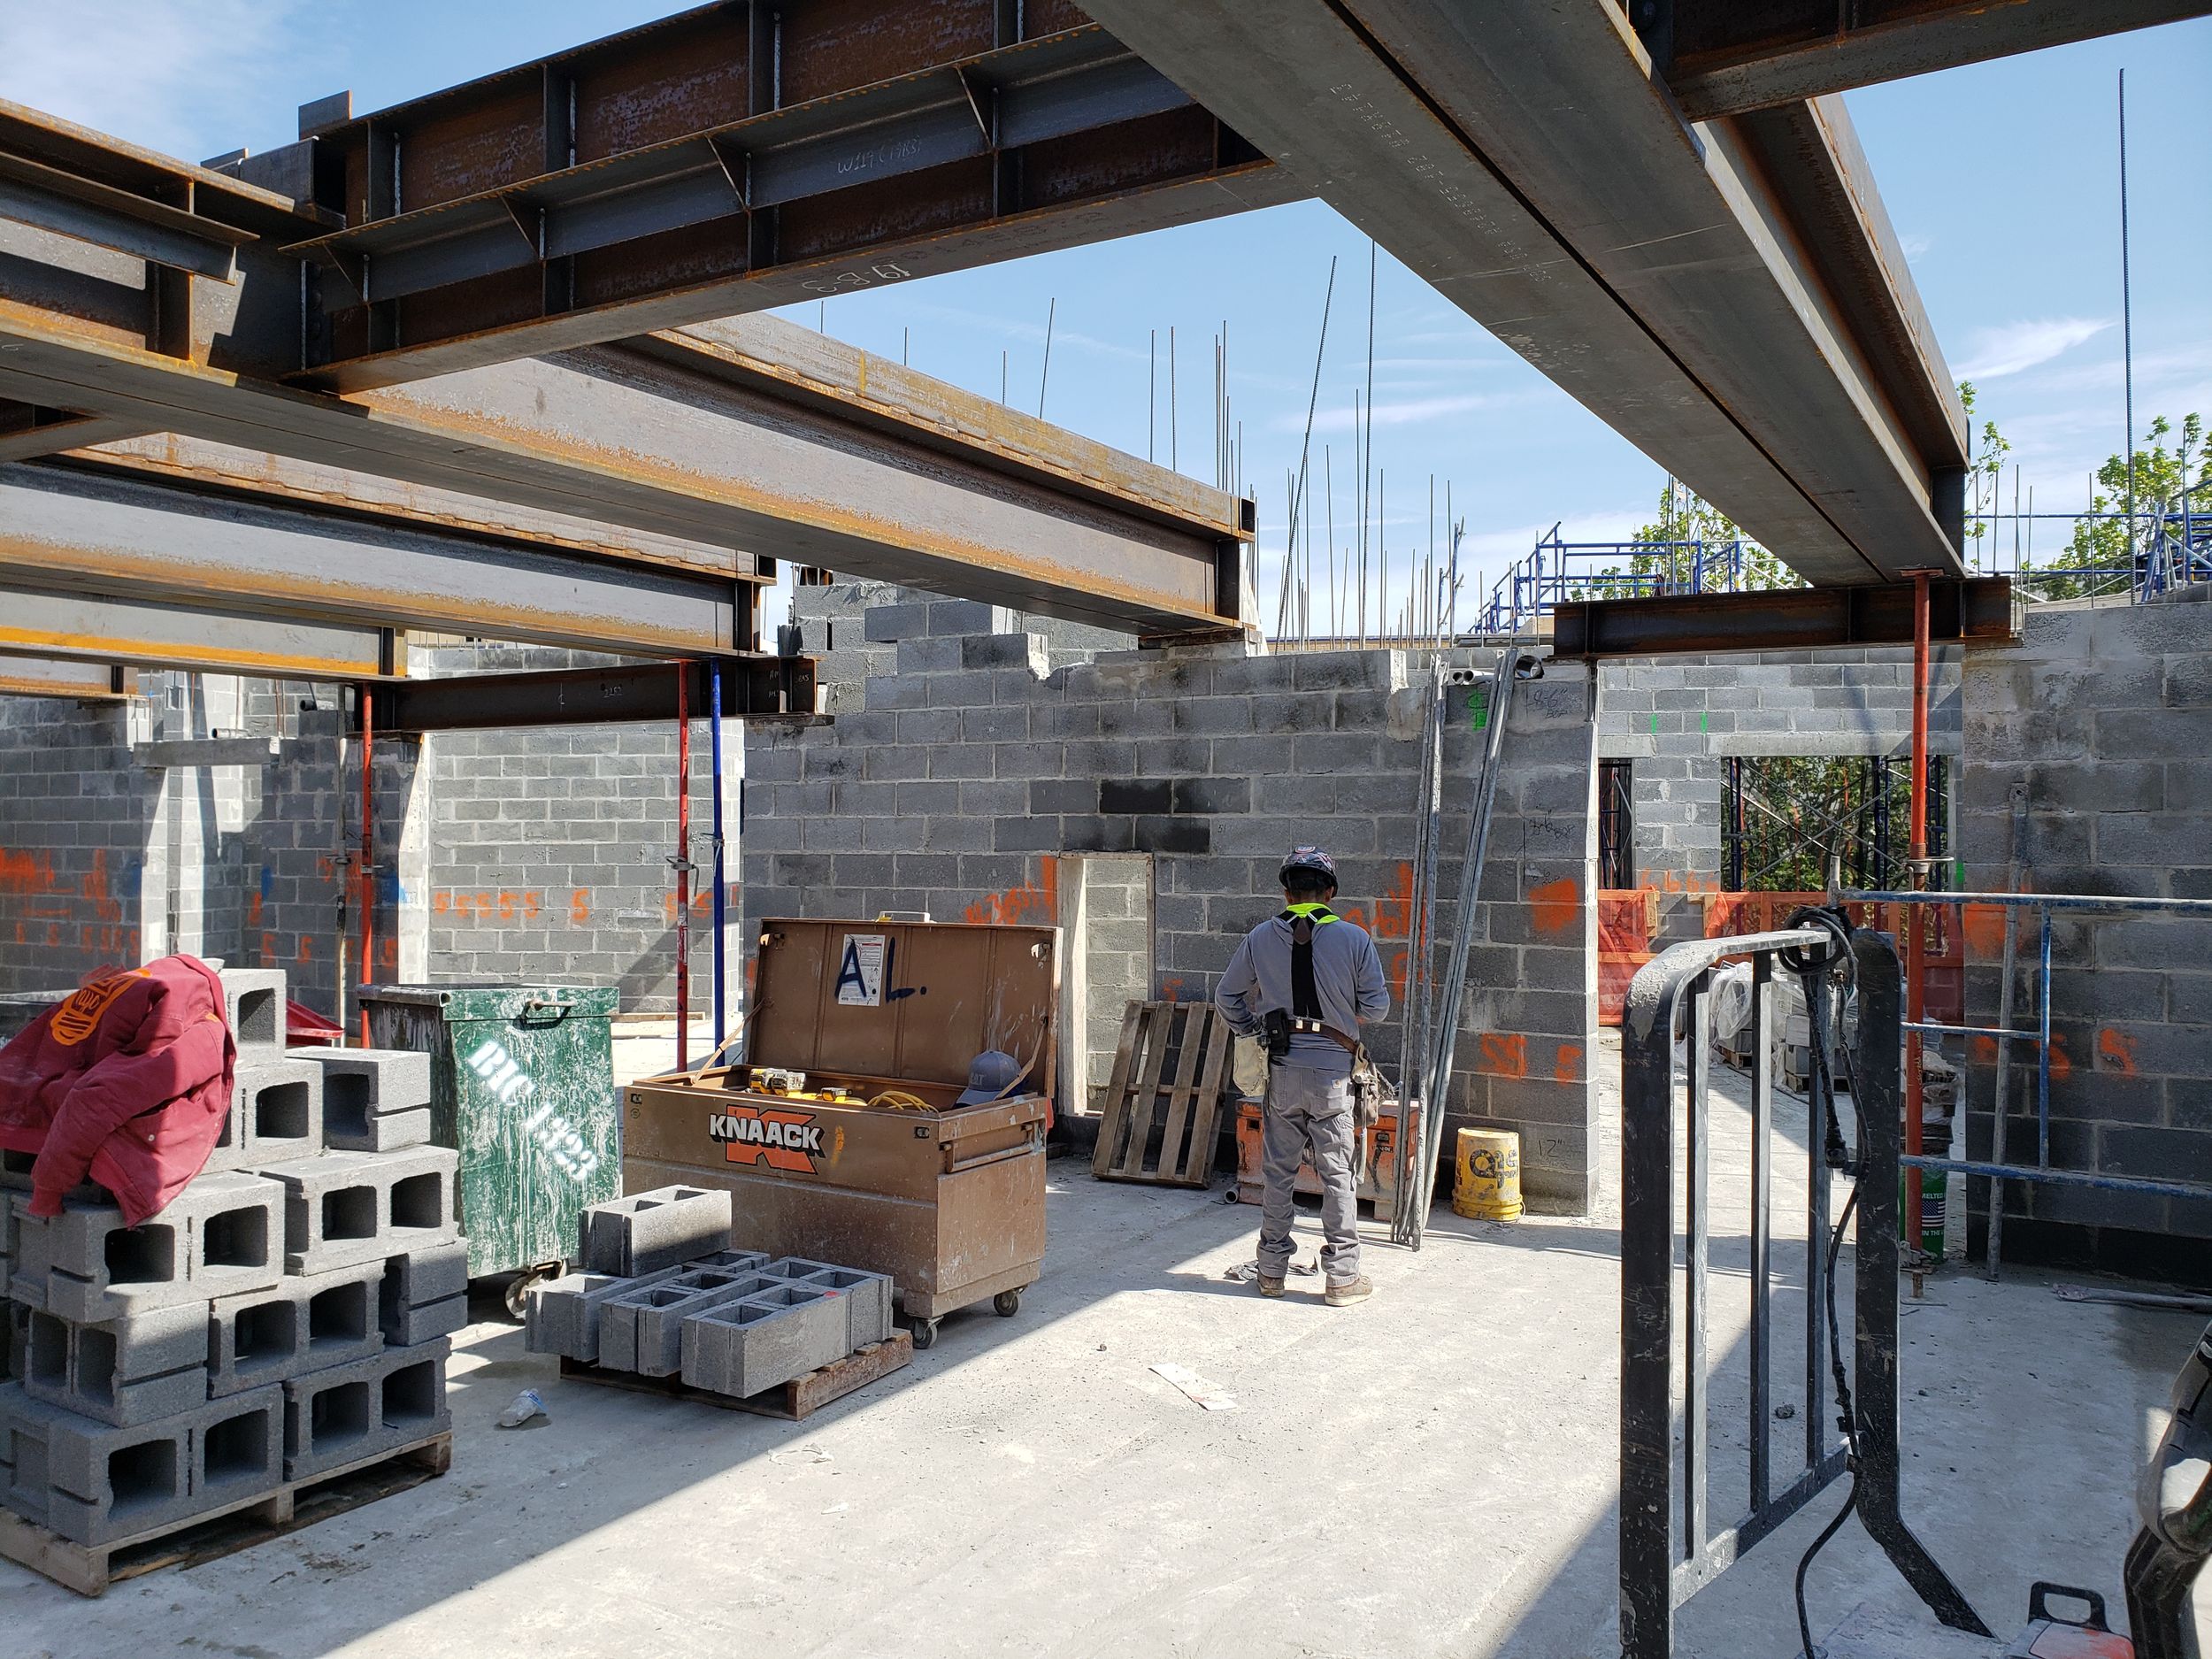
(916, 1001)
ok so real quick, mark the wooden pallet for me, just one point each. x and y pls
(1156, 1131)
(89, 1569)
(792, 1401)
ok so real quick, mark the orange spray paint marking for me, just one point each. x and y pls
(1984, 927)
(1555, 906)
(2062, 1063)
(2116, 1052)
(580, 907)
(1505, 1056)
(26, 873)
(1568, 1067)
(1036, 905)
(1394, 911)
(1171, 990)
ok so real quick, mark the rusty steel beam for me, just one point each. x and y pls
(63, 676)
(77, 533)
(1727, 57)
(694, 439)
(100, 629)
(731, 159)
(754, 687)
(1978, 611)
(1520, 157)
(27, 431)
(192, 465)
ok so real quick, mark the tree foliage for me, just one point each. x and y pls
(1686, 517)
(2101, 545)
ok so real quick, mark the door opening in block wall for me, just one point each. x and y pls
(1106, 919)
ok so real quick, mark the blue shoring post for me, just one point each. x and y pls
(721, 881)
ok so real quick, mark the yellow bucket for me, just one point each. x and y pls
(1487, 1180)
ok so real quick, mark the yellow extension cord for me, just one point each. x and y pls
(899, 1100)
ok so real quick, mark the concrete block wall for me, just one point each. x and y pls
(2102, 717)
(547, 851)
(1676, 718)
(76, 824)
(973, 771)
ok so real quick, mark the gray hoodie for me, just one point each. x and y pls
(1348, 977)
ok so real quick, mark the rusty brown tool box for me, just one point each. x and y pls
(950, 1202)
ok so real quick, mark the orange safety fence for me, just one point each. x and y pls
(1627, 918)
(1945, 963)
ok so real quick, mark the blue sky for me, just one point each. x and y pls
(1999, 177)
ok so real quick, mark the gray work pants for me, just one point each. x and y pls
(1309, 1109)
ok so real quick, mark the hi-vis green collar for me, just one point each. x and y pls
(1319, 915)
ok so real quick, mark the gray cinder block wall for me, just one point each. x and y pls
(970, 773)
(2103, 717)
(502, 855)
(1676, 719)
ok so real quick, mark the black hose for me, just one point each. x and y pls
(1849, 1161)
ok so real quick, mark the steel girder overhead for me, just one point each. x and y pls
(1521, 156)
(96, 630)
(735, 157)
(1725, 57)
(757, 434)
(72, 531)
(57, 677)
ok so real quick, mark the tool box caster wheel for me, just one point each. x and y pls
(522, 1284)
(1007, 1303)
(925, 1334)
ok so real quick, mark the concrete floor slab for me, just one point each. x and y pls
(1431, 1473)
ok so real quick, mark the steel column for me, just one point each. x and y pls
(682, 861)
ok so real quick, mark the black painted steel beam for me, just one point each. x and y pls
(754, 687)
(1725, 57)
(1980, 609)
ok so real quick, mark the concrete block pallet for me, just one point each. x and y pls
(283, 1322)
(731, 1327)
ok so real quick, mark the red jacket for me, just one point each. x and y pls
(127, 1082)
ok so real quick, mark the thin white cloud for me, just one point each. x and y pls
(2021, 345)
(1914, 246)
(164, 73)
(1406, 412)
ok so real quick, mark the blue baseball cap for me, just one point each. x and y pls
(991, 1075)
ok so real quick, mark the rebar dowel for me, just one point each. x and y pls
(368, 851)
(683, 865)
(721, 872)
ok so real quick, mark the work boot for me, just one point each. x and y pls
(1350, 1291)
(1270, 1286)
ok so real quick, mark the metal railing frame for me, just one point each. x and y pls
(1996, 1170)
(1666, 1552)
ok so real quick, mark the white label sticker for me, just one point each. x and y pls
(860, 971)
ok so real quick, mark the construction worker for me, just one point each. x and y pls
(1304, 982)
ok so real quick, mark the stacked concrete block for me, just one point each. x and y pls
(642, 1330)
(223, 1234)
(98, 1483)
(348, 1414)
(564, 1315)
(345, 1208)
(280, 1318)
(125, 1372)
(254, 1000)
(279, 1109)
(374, 1100)
(425, 1293)
(646, 1231)
(764, 1341)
